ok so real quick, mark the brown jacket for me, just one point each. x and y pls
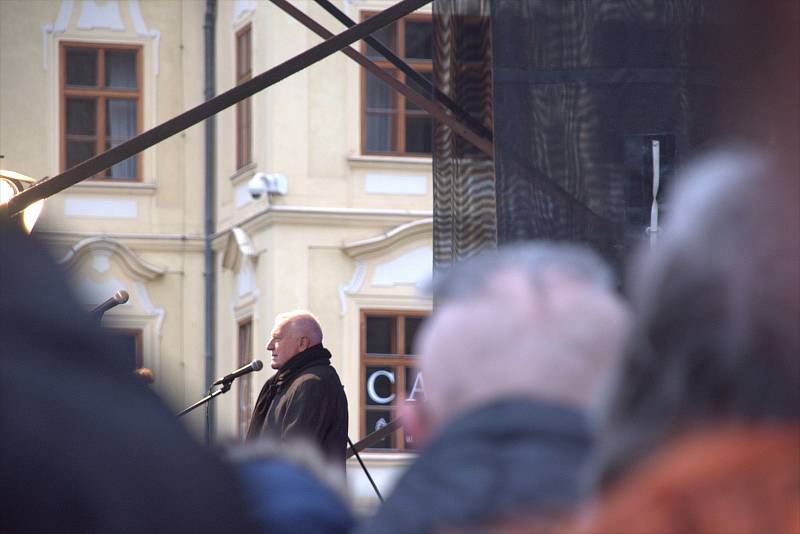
(733, 480)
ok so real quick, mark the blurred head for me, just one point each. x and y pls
(718, 306)
(293, 333)
(539, 321)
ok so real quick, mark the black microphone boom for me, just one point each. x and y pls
(255, 365)
(120, 297)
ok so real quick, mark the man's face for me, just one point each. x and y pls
(284, 344)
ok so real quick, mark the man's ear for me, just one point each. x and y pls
(303, 343)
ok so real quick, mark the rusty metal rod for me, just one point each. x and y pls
(483, 144)
(423, 82)
(92, 166)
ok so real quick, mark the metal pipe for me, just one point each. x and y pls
(209, 74)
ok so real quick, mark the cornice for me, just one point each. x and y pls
(363, 247)
(132, 262)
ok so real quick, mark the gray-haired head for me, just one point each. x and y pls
(539, 320)
(717, 304)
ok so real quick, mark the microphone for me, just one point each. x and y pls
(120, 297)
(255, 365)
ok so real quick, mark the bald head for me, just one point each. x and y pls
(294, 332)
(538, 321)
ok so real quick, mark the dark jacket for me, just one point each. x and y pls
(508, 457)
(304, 399)
(86, 446)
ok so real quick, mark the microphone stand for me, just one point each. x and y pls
(224, 388)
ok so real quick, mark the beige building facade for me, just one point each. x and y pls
(342, 225)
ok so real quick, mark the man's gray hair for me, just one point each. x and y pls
(304, 323)
(536, 259)
(538, 320)
(717, 304)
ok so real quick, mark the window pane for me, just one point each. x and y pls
(380, 332)
(243, 57)
(387, 36)
(81, 116)
(78, 151)
(379, 95)
(375, 420)
(380, 132)
(425, 92)
(121, 69)
(412, 327)
(419, 40)
(81, 66)
(121, 126)
(379, 386)
(419, 134)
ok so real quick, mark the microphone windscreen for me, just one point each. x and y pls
(257, 365)
(121, 296)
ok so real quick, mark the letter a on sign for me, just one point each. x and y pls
(419, 387)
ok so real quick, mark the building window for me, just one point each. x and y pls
(101, 99)
(388, 373)
(244, 383)
(390, 124)
(125, 344)
(244, 71)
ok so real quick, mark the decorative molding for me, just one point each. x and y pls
(412, 268)
(362, 247)
(142, 31)
(396, 184)
(238, 245)
(135, 265)
(100, 208)
(242, 8)
(100, 16)
(59, 26)
(352, 287)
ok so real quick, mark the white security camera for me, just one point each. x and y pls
(262, 183)
(257, 186)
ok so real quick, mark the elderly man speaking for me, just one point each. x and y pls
(305, 398)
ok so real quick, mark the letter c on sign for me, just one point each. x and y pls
(371, 386)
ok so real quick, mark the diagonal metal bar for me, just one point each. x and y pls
(409, 71)
(374, 438)
(432, 108)
(92, 166)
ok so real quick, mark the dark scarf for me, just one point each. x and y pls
(312, 356)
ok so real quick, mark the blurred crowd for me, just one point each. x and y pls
(559, 397)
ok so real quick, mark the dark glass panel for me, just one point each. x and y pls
(379, 386)
(419, 40)
(81, 67)
(412, 327)
(78, 151)
(419, 135)
(380, 333)
(121, 126)
(387, 36)
(81, 116)
(424, 92)
(379, 95)
(380, 132)
(377, 419)
(121, 69)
